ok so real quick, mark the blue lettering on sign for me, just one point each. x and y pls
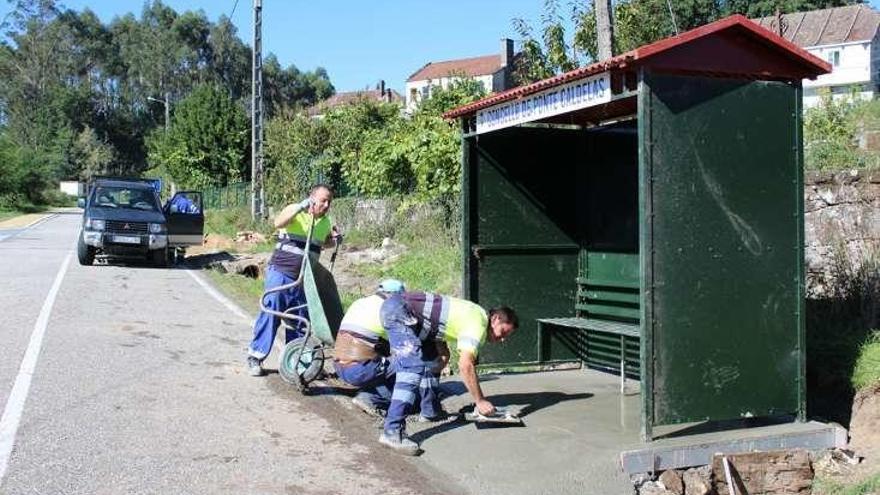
(570, 97)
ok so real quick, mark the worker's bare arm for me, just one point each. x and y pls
(468, 370)
(286, 215)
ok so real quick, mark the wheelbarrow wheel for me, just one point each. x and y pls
(310, 365)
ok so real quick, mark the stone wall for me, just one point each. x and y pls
(842, 217)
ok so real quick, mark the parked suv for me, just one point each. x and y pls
(124, 218)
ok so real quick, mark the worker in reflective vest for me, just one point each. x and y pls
(284, 267)
(360, 354)
(362, 350)
(414, 322)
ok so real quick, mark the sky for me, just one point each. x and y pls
(360, 42)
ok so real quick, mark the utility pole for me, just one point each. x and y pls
(257, 194)
(604, 28)
(167, 110)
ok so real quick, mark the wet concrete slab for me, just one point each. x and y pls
(575, 423)
(579, 433)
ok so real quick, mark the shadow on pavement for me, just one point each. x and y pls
(533, 402)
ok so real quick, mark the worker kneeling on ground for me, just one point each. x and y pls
(414, 321)
(284, 267)
(361, 351)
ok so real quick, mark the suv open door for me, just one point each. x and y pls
(185, 216)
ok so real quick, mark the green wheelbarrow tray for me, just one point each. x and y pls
(325, 314)
(325, 306)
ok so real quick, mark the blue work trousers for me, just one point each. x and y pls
(412, 361)
(266, 325)
(374, 378)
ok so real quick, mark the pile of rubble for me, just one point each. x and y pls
(784, 471)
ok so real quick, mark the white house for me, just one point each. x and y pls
(492, 71)
(847, 37)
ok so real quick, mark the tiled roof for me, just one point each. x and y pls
(473, 67)
(351, 97)
(736, 28)
(827, 26)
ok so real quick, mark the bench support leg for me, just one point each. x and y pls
(622, 365)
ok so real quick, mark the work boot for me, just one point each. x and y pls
(254, 366)
(367, 407)
(399, 442)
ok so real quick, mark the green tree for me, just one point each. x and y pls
(294, 156)
(420, 155)
(91, 155)
(65, 76)
(636, 23)
(208, 140)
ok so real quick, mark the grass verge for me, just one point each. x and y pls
(867, 486)
(229, 222)
(243, 290)
(5, 215)
(867, 368)
(430, 268)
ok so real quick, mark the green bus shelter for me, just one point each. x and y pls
(644, 215)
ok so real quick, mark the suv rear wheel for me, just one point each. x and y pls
(84, 252)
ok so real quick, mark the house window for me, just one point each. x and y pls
(426, 91)
(834, 58)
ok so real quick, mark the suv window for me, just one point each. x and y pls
(125, 197)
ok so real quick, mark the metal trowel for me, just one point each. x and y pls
(502, 417)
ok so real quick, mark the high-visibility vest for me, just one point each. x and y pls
(298, 230)
(363, 318)
(457, 321)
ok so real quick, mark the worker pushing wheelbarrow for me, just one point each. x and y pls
(300, 295)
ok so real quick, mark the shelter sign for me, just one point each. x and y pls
(561, 99)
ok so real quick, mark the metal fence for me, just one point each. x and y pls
(231, 196)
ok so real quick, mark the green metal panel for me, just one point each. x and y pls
(723, 234)
(798, 149)
(521, 233)
(610, 269)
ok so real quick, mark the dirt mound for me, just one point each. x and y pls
(864, 428)
(233, 256)
(213, 243)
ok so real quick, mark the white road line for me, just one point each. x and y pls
(40, 220)
(231, 306)
(21, 230)
(17, 398)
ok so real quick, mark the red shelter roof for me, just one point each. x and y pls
(733, 47)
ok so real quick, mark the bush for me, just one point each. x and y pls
(54, 197)
(831, 132)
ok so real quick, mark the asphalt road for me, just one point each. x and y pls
(129, 380)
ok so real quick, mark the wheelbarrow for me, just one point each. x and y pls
(302, 359)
